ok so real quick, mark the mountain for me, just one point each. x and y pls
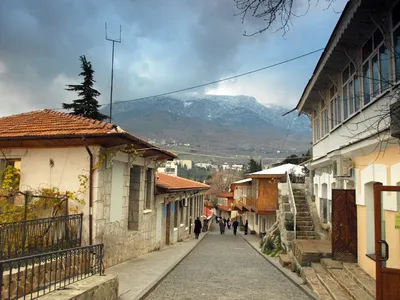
(216, 125)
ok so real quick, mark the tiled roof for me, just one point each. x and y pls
(225, 195)
(170, 182)
(53, 124)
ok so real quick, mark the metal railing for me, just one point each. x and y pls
(40, 235)
(292, 202)
(36, 275)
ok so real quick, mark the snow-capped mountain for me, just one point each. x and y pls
(219, 125)
(227, 110)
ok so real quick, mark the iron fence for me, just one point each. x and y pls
(36, 275)
(40, 235)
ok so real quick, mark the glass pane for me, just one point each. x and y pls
(378, 38)
(375, 75)
(351, 97)
(352, 69)
(397, 51)
(345, 104)
(366, 83)
(339, 111)
(332, 115)
(357, 93)
(345, 74)
(326, 121)
(384, 64)
(367, 49)
(396, 14)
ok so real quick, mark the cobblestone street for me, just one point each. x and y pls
(226, 267)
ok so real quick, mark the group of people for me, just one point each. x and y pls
(223, 222)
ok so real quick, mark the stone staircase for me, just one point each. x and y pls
(332, 279)
(305, 227)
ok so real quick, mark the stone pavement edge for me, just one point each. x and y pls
(254, 242)
(138, 276)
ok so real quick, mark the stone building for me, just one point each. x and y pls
(179, 201)
(54, 149)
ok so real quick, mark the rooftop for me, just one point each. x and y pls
(280, 170)
(52, 128)
(242, 181)
(172, 183)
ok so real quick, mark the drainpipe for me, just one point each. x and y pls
(90, 193)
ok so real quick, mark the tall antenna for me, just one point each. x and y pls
(112, 64)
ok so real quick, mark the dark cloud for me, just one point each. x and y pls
(166, 45)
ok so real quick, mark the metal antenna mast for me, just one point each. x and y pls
(112, 64)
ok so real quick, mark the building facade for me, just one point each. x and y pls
(349, 100)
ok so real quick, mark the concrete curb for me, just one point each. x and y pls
(307, 293)
(158, 280)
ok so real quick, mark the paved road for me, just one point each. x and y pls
(225, 267)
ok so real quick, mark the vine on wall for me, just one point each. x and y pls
(48, 202)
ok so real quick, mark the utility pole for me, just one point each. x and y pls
(112, 64)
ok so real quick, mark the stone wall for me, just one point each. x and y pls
(134, 233)
(37, 278)
(95, 287)
(282, 214)
(313, 209)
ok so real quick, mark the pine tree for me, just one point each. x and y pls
(87, 105)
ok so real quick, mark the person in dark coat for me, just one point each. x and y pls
(197, 227)
(222, 225)
(235, 225)
(246, 227)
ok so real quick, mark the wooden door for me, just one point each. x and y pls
(387, 278)
(344, 225)
(167, 224)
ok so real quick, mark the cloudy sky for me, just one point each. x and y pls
(166, 45)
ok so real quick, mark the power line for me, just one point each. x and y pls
(223, 79)
(216, 81)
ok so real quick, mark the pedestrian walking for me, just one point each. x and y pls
(235, 226)
(229, 223)
(246, 227)
(197, 227)
(222, 226)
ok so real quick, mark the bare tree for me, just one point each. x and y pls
(272, 12)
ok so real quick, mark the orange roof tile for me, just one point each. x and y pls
(49, 123)
(170, 182)
(225, 195)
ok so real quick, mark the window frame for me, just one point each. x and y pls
(349, 86)
(395, 27)
(368, 60)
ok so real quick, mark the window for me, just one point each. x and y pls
(134, 198)
(8, 166)
(351, 91)
(149, 188)
(176, 208)
(324, 121)
(117, 188)
(316, 128)
(375, 67)
(336, 108)
(181, 209)
(396, 39)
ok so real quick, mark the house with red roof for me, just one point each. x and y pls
(54, 149)
(180, 202)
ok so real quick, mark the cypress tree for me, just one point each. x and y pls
(87, 104)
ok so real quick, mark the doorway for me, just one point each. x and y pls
(387, 277)
(167, 224)
(344, 225)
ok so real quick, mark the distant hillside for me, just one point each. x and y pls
(216, 125)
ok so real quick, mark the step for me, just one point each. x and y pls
(303, 214)
(285, 260)
(312, 280)
(304, 223)
(366, 282)
(329, 283)
(306, 237)
(329, 263)
(302, 228)
(349, 285)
